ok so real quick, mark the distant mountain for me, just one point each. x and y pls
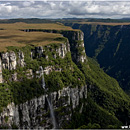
(38, 20)
(125, 18)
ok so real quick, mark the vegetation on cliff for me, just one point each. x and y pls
(107, 105)
(109, 44)
(105, 97)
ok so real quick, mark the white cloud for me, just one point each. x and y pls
(6, 9)
(29, 9)
(26, 3)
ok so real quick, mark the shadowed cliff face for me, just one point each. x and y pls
(110, 45)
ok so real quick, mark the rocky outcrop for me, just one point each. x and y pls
(109, 45)
(81, 58)
(39, 73)
(21, 59)
(29, 74)
(37, 52)
(75, 40)
(13, 77)
(10, 115)
(47, 70)
(12, 61)
(76, 45)
(62, 50)
(9, 60)
(1, 77)
(5, 60)
(35, 113)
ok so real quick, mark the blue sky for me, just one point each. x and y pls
(64, 9)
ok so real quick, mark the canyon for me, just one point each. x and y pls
(109, 44)
(80, 92)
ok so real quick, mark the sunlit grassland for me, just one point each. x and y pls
(20, 25)
(12, 36)
(103, 23)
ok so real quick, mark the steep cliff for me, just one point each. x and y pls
(21, 72)
(81, 93)
(35, 112)
(76, 42)
(109, 44)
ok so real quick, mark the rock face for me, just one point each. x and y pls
(35, 113)
(110, 46)
(75, 43)
(10, 113)
(13, 77)
(1, 79)
(9, 60)
(29, 74)
(12, 61)
(21, 59)
(48, 69)
(5, 60)
(62, 50)
(37, 52)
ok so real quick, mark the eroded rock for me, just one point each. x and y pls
(21, 59)
(35, 113)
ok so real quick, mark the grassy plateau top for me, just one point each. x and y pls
(10, 34)
(103, 23)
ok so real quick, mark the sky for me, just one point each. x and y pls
(64, 9)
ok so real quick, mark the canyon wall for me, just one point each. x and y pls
(109, 45)
(35, 112)
(18, 65)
